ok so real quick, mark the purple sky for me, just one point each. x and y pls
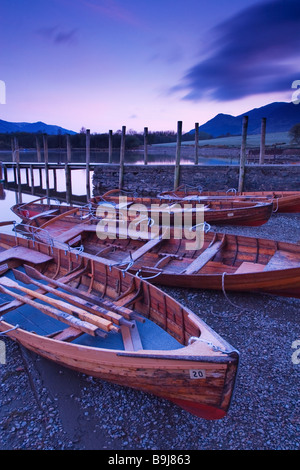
(102, 64)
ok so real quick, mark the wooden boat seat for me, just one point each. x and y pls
(24, 254)
(74, 232)
(283, 260)
(131, 338)
(217, 267)
(143, 250)
(204, 258)
(165, 258)
(248, 267)
(67, 335)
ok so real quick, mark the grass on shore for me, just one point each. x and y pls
(280, 139)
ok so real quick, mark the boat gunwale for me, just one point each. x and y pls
(225, 357)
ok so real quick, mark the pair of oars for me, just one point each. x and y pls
(107, 317)
(107, 308)
(70, 314)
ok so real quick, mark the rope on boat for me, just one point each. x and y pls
(33, 232)
(231, 190)
(131, 262)
(146, 278)
(7, 331)
(192, 340)
(186, 186)
(226, 296)
(150, 221)
(206, 227)
(277, 202)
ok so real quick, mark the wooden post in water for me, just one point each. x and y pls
(45, 142)
(18, 172)
(87, 162)
(27, 175)
(243, 154)
(13, 150)
(196, 142)
(5, 173)
(32, 178)
(262, 141)
(68, 184)
(16, 153)
(145, 145)
(69, 155)
(110, 146)
(54, 180)
(177, 161)
(38, 149)
(39, 159)
(122, 157)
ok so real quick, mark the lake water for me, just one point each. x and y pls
(10, 197)
(163, 156)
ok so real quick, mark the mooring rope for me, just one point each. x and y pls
(7, 331)
(226, 296)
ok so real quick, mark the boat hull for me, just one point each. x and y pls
(163, 375)
(283, 201)
(161, 371)
(284, 283)
(215, 211)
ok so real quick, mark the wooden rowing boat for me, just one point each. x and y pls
(152, 209)
(177, 258)
(79, 313)
(283, 201)
(215, 211)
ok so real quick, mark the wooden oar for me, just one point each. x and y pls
(65, 307)
(7, 222)
(111, 316)
(126, 312)
(60, 216)
(54, 313)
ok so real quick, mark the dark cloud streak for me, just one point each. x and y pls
(58, 36)
(257, 51)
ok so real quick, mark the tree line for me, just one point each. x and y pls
(133, 139)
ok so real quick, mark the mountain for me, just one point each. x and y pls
(280, 117)
(9, 127)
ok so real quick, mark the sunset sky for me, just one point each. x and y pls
(102, 64)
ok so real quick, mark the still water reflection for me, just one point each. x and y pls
(134, 157)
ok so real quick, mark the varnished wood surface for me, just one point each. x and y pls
(283, 201)
(219, 211)
(166, 373)
(215, 264)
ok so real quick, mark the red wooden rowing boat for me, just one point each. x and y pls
(283, 201)
(113, 326)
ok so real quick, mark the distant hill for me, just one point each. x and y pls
(11, 127)
(280, 118)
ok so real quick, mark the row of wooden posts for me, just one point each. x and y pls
(68, 165)
(242, 151)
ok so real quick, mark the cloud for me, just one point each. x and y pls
(56, 35)
(257, 51)
(65, 36)
(113, 10)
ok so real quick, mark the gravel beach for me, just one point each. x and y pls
(44, 406)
